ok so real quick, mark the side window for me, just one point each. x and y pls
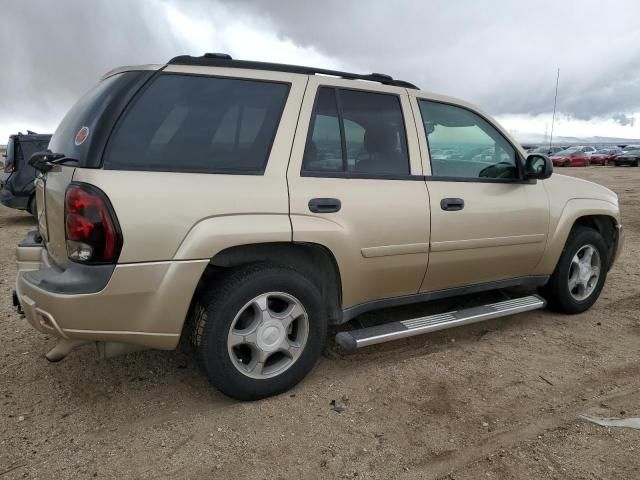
(464, 145)
(323, 152)
(199, 124)
(356, 133)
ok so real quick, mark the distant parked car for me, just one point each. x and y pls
(570, 158)
(605, 156)
(630, 156)
(16, 181)
(547, 150)
(584, 149)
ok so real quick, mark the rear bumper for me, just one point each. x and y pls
(143, 304)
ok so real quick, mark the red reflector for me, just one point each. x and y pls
(91, 228)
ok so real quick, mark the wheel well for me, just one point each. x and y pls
(314, 261)
(606, 226)
(32, 198)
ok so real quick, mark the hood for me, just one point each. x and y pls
(578, 188)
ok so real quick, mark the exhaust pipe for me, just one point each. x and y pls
(114, 349)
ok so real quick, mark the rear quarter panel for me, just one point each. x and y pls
(187, 216)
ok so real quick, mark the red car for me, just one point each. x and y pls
(571, 158)
(604, 157)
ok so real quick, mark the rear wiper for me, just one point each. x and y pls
(43, 161)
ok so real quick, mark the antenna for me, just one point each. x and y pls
(555, 101)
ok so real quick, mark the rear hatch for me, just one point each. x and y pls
(81, 137)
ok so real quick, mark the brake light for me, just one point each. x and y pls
(92, 230)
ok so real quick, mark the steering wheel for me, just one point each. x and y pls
(498, 170)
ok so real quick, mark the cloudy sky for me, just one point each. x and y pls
(499, 54)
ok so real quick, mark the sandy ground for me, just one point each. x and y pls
(500, 399)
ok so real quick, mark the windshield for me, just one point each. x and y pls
(566, 153)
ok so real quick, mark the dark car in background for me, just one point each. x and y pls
(605, 156)
(16, 179)
(630, 156)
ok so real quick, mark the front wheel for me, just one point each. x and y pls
(577, 281)
(258, 330)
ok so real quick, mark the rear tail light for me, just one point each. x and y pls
(92, 230)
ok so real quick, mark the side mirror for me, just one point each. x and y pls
(537, 167)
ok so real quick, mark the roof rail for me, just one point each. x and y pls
(225, 60)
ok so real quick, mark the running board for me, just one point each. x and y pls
(417, 326)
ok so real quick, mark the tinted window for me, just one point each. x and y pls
(93, 111)
(368, 138)
(199, 124)
(462, 144)
(323, 152)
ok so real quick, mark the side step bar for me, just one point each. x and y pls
(417, 326)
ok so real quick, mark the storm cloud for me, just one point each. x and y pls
(501, 55)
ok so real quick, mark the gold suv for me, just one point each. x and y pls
(247, 205)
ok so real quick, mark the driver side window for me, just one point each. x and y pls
(464, 145)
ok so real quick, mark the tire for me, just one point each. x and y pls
(567, 163)
(635, 164)
(557, 292)
(32, 207)
(230, 303)
(605, 163)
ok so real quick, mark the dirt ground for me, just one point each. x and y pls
(499, 399)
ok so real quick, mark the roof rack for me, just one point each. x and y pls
(225, 60)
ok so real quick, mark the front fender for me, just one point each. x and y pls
(560, 226)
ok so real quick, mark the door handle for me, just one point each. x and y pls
(452, 204)
(325, 205)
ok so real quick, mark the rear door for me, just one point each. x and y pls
(486, 223)
(356, 187)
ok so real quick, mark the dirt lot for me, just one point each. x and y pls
(500, 399)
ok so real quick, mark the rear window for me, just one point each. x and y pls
(188, 123)
(97, 111)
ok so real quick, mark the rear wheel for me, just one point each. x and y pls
(258, 330)
(32, 207)
(605, 163)
(577, 281)
(567, 163)
(635, 164)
